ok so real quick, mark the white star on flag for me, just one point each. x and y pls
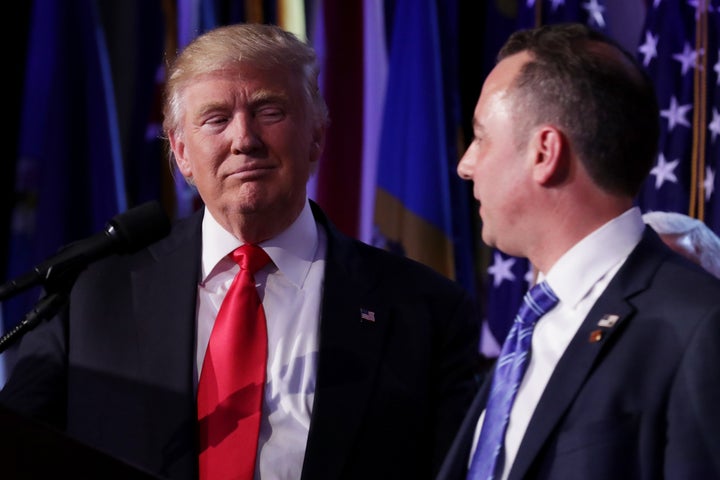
(595, 10)
(714, 126)
(709, 183)
(676, 114)
(530, 275)
(501, 269)
(649, 48)
(688, 57)
(664, 171)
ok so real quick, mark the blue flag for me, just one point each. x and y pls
(420, 210)
(70, 173)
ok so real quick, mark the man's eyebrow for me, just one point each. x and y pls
(205, 108)
(268, 96)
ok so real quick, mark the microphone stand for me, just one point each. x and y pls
(46, 307)
(56, 297)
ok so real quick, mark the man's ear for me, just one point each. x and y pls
(318, 142)
(550, 153)
(178, 148)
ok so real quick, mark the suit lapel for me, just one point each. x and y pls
(164, 294)
(352, 329)
(164, 304)
(603, 322)
(567, 379)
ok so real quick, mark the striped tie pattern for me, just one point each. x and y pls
(488, 458)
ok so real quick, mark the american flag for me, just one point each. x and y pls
(679, 49)
(367, 315)
(509, 277)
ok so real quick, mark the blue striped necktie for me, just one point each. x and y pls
(488, 459)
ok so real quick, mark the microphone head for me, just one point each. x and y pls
(139, 226)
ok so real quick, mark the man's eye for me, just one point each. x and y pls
(270, 113)
(216, 120)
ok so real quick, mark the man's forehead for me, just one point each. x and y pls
(500, 78)
(507, 69)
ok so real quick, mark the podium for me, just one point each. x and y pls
(30, 450)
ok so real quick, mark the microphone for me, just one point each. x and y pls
(126, 232)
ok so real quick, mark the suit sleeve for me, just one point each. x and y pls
(37, 383)
(693, 443)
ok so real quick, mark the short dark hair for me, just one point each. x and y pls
(588, 86)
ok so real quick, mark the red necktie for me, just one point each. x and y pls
(233, 376)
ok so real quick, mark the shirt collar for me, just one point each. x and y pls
(292, 251)
(574, 274)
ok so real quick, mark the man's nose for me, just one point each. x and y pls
(245, 135)
(464, 167)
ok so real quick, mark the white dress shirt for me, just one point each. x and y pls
(578, 279)
(291, 290)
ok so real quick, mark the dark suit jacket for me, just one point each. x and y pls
(643, 401)
(117, 371)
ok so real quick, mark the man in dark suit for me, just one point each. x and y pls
(622, 379)
(371, 357)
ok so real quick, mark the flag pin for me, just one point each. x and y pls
(608, 321)
(367, 315)
(595, 336)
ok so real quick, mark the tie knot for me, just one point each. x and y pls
(250, 257)
(539, 300)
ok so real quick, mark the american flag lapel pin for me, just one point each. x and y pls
(367, 315)
(608, 321)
